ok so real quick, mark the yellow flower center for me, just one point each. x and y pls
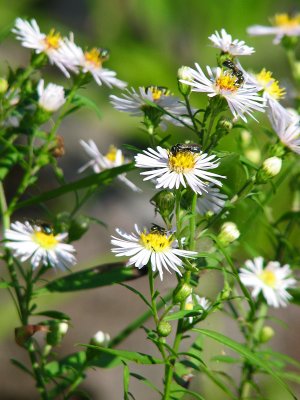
(52, 40)
(93, 57)
(158, 91)
(111, 155)
(227, 82)
(182, 161)
(270, 84)
(189, 306)
(47, 242)
(286, 20)
(156, 241)
(269, 278)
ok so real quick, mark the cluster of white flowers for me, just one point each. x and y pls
(65, 54)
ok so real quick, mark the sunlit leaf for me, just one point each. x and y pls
(103, 275)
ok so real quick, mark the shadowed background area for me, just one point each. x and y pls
(149, 41)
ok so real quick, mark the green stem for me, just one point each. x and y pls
(188, 107)
(37, 371)
(193, 222)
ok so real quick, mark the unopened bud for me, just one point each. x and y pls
(270, 168)
(164, 202)
(181, 293)
(228, 233)
(3, 85)
(100, 339)
(164, 328)
(253, 155)
(246, 138)
(266, 334)
(226, 125)
(184, 74)
(57, 330)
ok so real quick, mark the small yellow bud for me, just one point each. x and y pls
(164, 328)
(228, 233)
(266, 334)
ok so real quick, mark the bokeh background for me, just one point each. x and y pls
(149, 41)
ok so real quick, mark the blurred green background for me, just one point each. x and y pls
(149, 40)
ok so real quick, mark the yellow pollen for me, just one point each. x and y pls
(157, 92)
(269, 278)
(227, 82)
(188, 306)
(270, 84)
(93, 57)
(156, 241)
(47, 242)
(52, 39)
(286, 20)
(183, 161)
(112, 154)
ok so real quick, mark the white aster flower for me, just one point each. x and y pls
(272, 280)
(28, 32)
(99, 162)
(241, 99)
(40, 245)
(234, 47)
(137, 103)
(211, 201)
(264, 82)
(155, 246)
(89, 61)
(51, 97)
(286, 124)
(284, 25)
(171, 169)
(195, 300)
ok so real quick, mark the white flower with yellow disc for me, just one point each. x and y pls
(272, 281)
(136, 103)
(283, 25)
(42, 246)
(171, 169)
(224, 42)
(242, 99)
(28, 32)
(158, 247)
(89, 61)
(99, 162)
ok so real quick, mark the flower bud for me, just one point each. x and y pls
(57, 330)
(184, 73)
(181, 293)
(228, 233)
(100, 339)
(164, 202)
(246, 138)
(3, 85)
(270, 168)
(225, 124)
(266, 334)
(253, 155)
(164, 328)
(51, 98)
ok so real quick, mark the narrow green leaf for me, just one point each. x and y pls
(82, 101)
(249, 355)
(137, 293)
(182, 314)
(226, 359)
(138, 358)
(5, 285)
(146, 382)
(21, 366)
(126, 376)
(53, 314)
(295, 293)
(103, 275)
(186, 391)
(103, 178)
